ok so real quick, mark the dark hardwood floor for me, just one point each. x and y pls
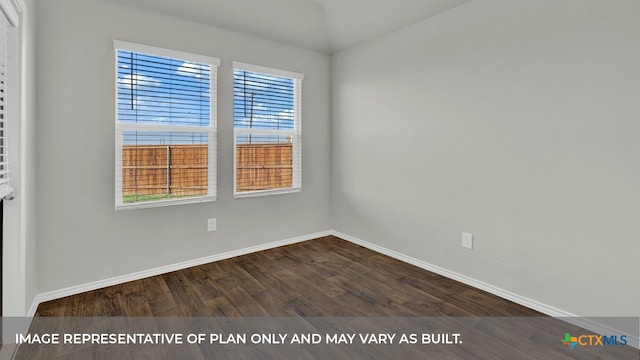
(326, 285)
(322, 277)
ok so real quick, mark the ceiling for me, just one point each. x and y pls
(319, 25)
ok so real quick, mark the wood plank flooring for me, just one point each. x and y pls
(322, 277)
(310, 283)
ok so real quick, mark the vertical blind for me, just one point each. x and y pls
(267, 129)
(165, 126)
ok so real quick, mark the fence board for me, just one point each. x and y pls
(182, 170)
(264, 166)
(172, 170)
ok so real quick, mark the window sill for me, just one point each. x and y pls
(249, 194)
(5, 190)
(163, 203)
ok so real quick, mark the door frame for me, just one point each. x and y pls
(14, 284)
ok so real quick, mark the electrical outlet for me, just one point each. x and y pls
(467, 240)
(212, 225)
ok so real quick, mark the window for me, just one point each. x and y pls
(9, 19)
(267, 130)
(165, 127)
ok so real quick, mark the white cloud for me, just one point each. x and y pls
(282, 120)
(138, 80)
(286, 115)
(189, 68)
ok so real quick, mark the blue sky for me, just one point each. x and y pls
(162, 91)
(262, 101)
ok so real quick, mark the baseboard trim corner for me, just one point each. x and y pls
(34, 306)
(518, 299)
(573, 319)
(77, 289)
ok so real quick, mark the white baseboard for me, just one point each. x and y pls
(34, 305)
(532, 304)
(573, 319)
(518, 299)
(73, 290)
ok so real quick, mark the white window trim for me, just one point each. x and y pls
(10, 12)
(296, 133)
(158, 51)
(16, 211)
(12, 100)
(8, 131)
(267, 70)
(211, 130)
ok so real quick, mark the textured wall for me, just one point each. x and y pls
(516, 121)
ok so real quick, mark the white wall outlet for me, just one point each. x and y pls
(467, 240)
(212, 225)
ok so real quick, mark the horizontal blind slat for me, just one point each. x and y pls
(165, 128)
(266, 122)
(4, 162)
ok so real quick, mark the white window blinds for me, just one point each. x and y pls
(165, 127)
(5, 178)
(267, 119)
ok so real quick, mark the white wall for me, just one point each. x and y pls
(513, 120)
(517, 121)
(81, 238)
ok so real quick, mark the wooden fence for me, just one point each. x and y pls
(176, 170)
(264, 166)
(181, 170)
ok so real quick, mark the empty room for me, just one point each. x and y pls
(320, 178)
